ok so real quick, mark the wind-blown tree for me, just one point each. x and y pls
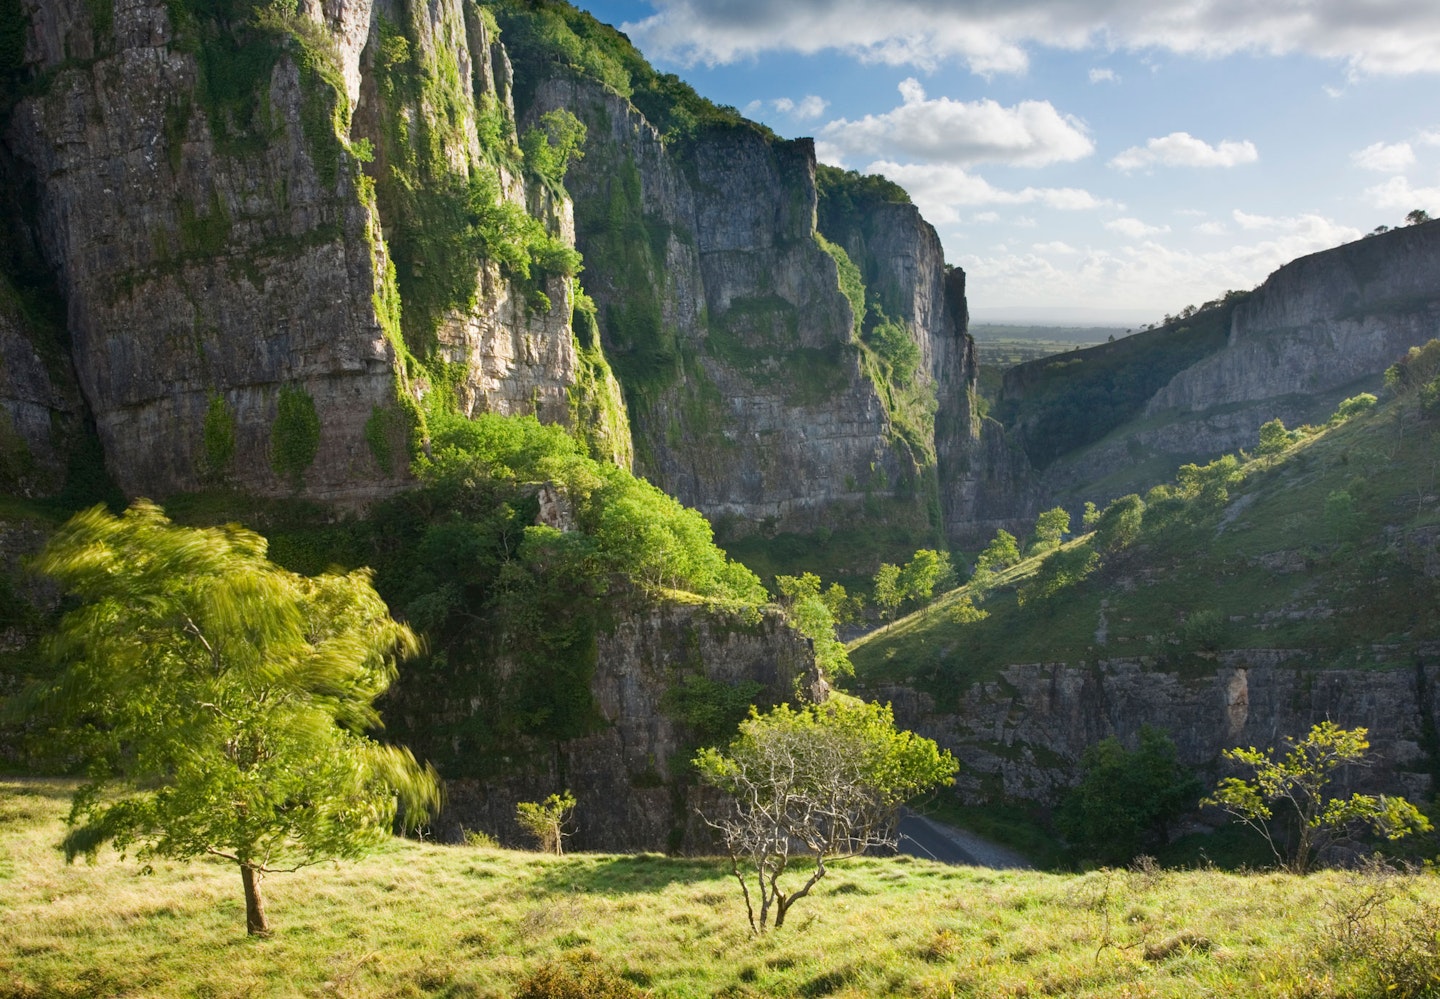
(825, 781)
(220, 702)
(1288, 801)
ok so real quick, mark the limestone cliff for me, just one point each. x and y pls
(725, 321)
(1022, 734)
(631, 775)
(1320, 329)
(232, 300)
(740, 330)
(1327, 323)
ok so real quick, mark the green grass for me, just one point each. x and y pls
(420, 919)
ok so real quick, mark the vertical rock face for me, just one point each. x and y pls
(753, 395)
(1322, 324)
(1022, 734)
(219, 247)
(631, 777)
(723, 317)
(194, 271)
(40, 408)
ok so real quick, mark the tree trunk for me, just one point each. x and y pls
(255, 923)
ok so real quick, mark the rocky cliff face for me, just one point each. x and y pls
(1022, 734)
(1321, 324)
(1320, 329)
(40, 407)
(202, 203)
(725, 320)
(631, 777)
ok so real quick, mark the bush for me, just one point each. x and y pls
(1353, 407)
(1126, 799)
(1119, 525)
(295, 435)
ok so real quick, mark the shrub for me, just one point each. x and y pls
(295, 435)
(1353, 407)
(1125, 800)
(545, 820)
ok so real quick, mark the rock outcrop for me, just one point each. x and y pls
(725, 320)
(631, 778)
(1022, 734)
(1327, 323)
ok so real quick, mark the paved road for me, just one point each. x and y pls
(922, 837)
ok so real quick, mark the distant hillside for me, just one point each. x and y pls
(1253, 596)
(1111, 419)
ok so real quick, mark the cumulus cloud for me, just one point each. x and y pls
(1055, 246)
(1397, 193)
(1032, 133)
(1183, 149)
(1212, 229)
(1396, 37)
(1134, 228)
(940, 189)
(1103, 75)
(1394, 158)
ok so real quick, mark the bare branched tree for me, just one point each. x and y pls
(824, 782)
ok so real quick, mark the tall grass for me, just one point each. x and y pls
(420, 919)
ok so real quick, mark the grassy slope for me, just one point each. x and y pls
(419, 919)
(1266, 566)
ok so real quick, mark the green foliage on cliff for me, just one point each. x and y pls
(643, 350)
(849, 193)
(218, 436)
(443, 220)
(510, 608)
(540, 34)
(295, 434)
(597, 407)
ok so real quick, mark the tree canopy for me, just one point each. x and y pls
(824, 780)
(219, 702)
(1289, 802)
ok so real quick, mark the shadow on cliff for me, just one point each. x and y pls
(639, 873)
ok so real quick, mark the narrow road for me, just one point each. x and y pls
(922, 837)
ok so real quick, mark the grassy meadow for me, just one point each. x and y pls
(421, 919)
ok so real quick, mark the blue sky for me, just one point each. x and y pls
(1091, 160)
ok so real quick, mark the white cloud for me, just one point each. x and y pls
(1103, 75)
(1385, 38)
(808, 107)
(1212, 229)
(1147, 275)
(1055, 246)
(1397, 193)
(1134, 228)
(811, 106)
(940, 189)
(1032, 133)
(985, 217)
(1183, 149)
(1395, 158)
(1429, 137)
